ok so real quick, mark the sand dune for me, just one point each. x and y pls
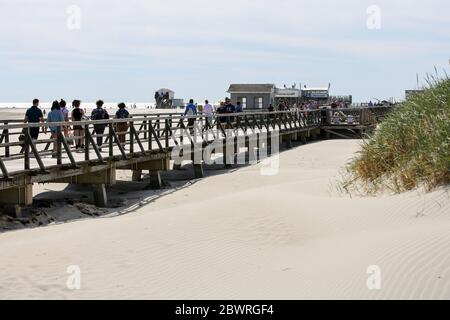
(246, 236)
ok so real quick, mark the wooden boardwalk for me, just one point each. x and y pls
(151, 142)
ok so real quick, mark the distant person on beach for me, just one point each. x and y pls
(209, 112)
(99, 114)
(55, 115)
(122, 127)
(35, 115)
(78, 131)
(191, 112)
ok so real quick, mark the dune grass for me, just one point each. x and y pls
(411, 148)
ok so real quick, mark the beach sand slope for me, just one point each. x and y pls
(245, 235)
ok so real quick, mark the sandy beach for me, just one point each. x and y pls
(243, 235)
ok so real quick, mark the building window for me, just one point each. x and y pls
(243, 101)
(259, 102)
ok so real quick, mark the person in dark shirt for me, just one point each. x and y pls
(34, 115)
(122, 127)
(78, 131)
(99, 114)
(334, 105)
(221, 110)
(229, 109)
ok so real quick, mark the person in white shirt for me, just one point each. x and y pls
(208, 110)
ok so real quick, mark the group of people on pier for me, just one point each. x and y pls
(60, 114)
(75, 132)
(223, 111)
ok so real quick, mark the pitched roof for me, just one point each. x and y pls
(259, 88)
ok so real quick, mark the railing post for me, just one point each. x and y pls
(59, 148)
(167, 133)
(26, 147)
(145, 127)
(86, 142)
(158, 126)
(7, 150)
(131, 137)
(150, 143)
(111, 139)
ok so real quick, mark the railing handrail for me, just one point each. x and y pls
(142, 119)
(163, 116)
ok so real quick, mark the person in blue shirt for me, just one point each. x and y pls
(191, 112)
(55, 115)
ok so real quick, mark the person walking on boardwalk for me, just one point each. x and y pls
(122, 127)
(229, 109)
(78, 131)
(209, 113)
(239, 108)
(191, 113)
(65, 112)
(99, 114)
(55, 115)
(35, 115)
(221, 110)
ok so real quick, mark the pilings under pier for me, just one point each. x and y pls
(12, 200)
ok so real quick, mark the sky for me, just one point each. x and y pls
(121, 50)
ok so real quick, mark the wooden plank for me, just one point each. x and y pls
(337, 134)
(116, 139)
(4, 170)
(94, 146)
(67, 148)
(31, 144)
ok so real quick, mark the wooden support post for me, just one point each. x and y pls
(198, 171)
(100, 196)
(314, 134)
(155, 180)
(137, 175)
(177, 167)
(303, 137)
(288, 142)
(22, 196)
